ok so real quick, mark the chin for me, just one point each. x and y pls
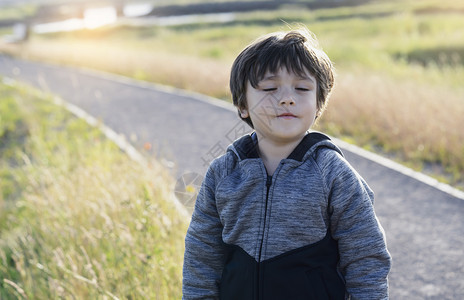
(291, 136)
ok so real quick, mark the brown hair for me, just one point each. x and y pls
(297, 50)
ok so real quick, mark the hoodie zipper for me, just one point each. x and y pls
(268, 186)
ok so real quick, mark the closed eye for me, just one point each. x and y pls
(269, 89)
(303, 89)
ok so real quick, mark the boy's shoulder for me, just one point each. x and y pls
(245, 147)
(317, 145)
(239, 150)
(316, 149)
(334, 166)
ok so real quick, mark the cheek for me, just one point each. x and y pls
(263, 107)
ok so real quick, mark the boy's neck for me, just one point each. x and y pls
(273, 151)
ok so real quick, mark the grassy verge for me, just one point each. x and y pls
(78, 218)
(17, 12)
(400, 69)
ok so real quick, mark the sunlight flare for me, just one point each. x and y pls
(97, 17)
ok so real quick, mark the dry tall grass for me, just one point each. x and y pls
(207, 76)
(422, 124)
(85, 222)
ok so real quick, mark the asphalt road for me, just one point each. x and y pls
(424, 226)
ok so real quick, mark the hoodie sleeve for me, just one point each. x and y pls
(364, 258)
(203, 258)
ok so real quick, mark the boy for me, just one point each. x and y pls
(282, 215)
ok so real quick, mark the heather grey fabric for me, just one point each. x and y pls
(231, 208)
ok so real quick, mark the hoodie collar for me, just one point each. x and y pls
(246, 147)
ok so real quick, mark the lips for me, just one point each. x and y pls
(286, 116)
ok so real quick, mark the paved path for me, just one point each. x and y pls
(424, 226)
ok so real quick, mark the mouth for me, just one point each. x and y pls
(286, 116)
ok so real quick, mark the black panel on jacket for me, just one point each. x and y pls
(305, 273)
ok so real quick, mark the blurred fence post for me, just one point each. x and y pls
(21, 32)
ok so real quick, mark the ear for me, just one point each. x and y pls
(244, 113)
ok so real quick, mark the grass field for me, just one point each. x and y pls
(78, 219)
(400, 68)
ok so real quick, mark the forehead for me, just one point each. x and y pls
(284, 72)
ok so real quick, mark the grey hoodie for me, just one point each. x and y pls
(313, 195)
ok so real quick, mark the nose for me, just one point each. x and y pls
(286, 99)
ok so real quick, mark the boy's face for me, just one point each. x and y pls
(283, 106)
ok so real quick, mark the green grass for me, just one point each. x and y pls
(17, 12)
(79, 219)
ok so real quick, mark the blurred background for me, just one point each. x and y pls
(399, 92)
(400, 64)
